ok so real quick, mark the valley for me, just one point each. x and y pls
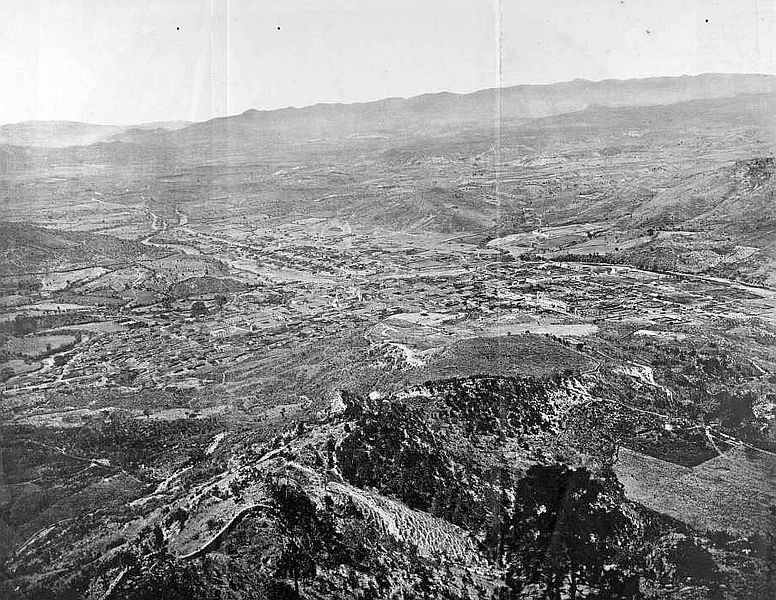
(368, 364)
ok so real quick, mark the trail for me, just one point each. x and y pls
(43, 531)
(233, 522)
(116, 580)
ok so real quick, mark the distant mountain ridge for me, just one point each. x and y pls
(434, 112)
(418, 114)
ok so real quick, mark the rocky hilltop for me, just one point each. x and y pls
(482, 487)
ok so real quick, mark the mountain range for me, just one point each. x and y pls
(427, 113)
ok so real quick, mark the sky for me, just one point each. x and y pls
(123, 62)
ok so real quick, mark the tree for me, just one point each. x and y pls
(23, 325)
(678, 559)
(6, 373)
(309, 534)
(568, 526)
(198, 309)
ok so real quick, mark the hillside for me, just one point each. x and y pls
(28, 250)
(449, 489)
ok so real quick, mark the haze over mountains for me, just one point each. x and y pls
(417, 115)
(60, 134)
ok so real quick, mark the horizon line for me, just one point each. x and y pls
(385, 98)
